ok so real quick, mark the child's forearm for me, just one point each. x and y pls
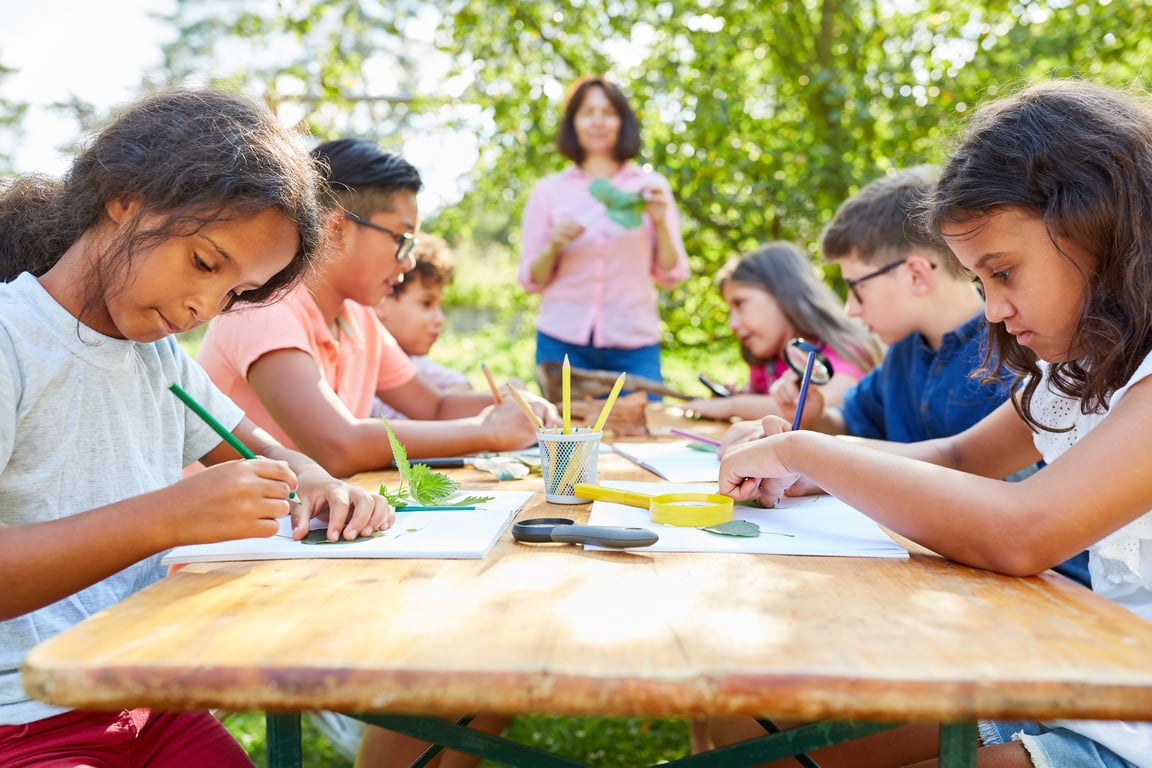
(53, 559)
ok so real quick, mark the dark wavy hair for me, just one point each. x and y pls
(192, 157)
(628, 140)
(784, 271)
(1078, 156)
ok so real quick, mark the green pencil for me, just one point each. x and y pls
(217, 427)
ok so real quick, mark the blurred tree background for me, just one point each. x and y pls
(763, 114)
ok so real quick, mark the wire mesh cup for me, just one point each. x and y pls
(566, 460)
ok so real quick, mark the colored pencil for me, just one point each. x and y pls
(696, 437)
(217, 427)
(566, 395)
(491, 383)
(603, 417)
(532, 417)
(447, 462)
(804, 384)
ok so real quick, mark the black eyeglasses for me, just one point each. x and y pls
(882, 271)
(405, 243)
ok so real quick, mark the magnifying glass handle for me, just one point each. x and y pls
(804, 384)
(612, 495)
(604, 536)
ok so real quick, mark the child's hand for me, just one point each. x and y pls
(717, 408)
(351, 511)
(231, 500)
(786, 390)
(746, 431)
(508, 429)
(754, 470)
(544, 409)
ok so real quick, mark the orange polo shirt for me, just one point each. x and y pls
(364, 359)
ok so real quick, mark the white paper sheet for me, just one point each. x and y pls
(811, 525)
(676, 462)
(451, 534)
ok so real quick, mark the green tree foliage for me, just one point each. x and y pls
(766, 114)
(763, 114)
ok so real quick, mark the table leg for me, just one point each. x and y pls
(958, 743)
(781, 744)
(283, 736)
(463, 739)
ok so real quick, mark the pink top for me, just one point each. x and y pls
(760, 377)
(363, 360)
(602, 288)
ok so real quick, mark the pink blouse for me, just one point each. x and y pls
(760, 377)
(603, 286)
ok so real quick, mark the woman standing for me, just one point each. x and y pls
(598, 275)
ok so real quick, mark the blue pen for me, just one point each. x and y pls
(804, 383)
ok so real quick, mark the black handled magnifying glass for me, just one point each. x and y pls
(812, 365)
(714, 386)
(540, 530)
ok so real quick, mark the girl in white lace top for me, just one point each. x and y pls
(1048, 202)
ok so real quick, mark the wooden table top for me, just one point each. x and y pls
(555, 629)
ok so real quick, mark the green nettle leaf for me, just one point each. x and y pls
(320, 536)
(426, 487)
(624, 208)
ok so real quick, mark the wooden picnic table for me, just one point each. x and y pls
(556, 629)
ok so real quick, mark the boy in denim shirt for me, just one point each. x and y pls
(912, 293)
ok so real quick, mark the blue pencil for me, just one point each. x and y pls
(431, 507)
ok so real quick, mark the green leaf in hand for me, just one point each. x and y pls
(624, 208)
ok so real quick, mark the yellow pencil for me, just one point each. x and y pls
(566, 395)
(491, 383)
(603, 417)
(532, 417)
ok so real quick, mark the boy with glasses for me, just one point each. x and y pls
(307, 368)
(911, 292)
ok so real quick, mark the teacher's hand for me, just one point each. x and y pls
(656, 203)
(564, 232)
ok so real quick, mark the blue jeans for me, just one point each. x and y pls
(640, 361)
(1052, 747)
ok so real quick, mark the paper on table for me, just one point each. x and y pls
(450, 534)
(819, 525)
(677, 462)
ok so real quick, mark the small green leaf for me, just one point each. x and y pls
(427, 486)
(320, 536)
(471, 501)
(734, 528)
(624, 208)
(399, 454)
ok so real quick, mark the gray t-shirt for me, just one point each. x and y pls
(85, 420)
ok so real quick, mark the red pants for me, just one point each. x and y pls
(133, 737)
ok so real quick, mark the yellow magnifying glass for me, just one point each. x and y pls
(689, 510)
